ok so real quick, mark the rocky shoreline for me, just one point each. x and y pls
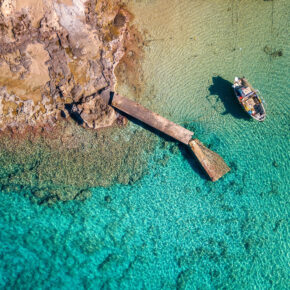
(57, 58)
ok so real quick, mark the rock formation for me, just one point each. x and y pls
(58, 60)
(57, 57)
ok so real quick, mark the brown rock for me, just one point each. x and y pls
(95, 113)
(53, 55)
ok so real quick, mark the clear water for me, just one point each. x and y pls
(174, 229)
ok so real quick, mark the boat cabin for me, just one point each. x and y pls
(249, 99)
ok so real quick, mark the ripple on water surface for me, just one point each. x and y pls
(174, 228)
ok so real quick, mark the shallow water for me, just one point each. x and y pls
(174, 228)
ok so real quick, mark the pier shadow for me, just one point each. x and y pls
(223, 89)
(189, 156)
(186, 152)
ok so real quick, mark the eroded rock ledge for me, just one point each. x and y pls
(57, 57)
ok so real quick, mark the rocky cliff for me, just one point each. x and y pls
(58, 60)
(57, 57)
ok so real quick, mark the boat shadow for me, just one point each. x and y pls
(223, 89)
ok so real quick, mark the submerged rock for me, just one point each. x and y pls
(65, 161)
(95, 113)
(57, 61)
(272, 52)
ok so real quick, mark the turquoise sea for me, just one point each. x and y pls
(173, 228)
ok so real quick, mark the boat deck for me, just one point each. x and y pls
(249, 99)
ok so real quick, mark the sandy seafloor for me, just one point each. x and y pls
(174, 229)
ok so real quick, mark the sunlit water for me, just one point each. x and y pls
(174, 228)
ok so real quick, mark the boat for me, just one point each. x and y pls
(249, 99)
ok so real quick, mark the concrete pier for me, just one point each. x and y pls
(152, 119)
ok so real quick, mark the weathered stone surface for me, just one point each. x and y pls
(59, 53)
(57, 61)
(95, 113)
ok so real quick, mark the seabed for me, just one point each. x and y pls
(169, 227)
